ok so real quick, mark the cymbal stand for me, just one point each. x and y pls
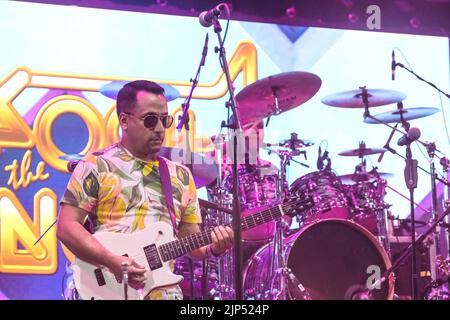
(434, 248)
(281, 275)
(224, 289)
(446, 165)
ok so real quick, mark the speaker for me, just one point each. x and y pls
(403, 275)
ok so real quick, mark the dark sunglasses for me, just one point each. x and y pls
(151, 120)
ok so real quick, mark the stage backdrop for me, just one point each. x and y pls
(54, 59)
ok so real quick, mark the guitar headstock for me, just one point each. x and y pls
(294, 205)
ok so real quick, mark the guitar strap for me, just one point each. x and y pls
(167, 191)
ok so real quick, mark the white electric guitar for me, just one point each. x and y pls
(154, 247)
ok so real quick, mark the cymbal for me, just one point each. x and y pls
(360, 152)
(354, 98)
(363, 177)
(399, 114)
(111, 90)
(71, 157)
(257, 100)
(202, 166)
(295, 143)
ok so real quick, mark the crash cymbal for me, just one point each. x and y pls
(354, 98)
(402, 114)
(363, 177)
(360, 152)
(276, 94)
(202, 166)
(111, 90)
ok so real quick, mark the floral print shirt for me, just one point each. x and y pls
(124, 194)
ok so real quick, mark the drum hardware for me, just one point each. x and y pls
(369, 98)
(281, 276)
(411, 183)
(445, 162)
(407, 253)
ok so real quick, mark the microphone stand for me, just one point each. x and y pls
(184, 122)
(398, 64)
(411, 183)
(238, 128)
(184, 118)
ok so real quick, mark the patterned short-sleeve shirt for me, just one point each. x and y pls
(124, 194)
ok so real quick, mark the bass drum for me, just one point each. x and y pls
(330, 258)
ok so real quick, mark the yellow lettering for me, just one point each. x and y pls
(47, 116)
(25, 176)
(16, 226)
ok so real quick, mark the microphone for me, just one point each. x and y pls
(393, 65)
(205, 50)
(319, 159)
(358, 292)
(412, 135)
(71, 165)
(298, 290)
(206, 18)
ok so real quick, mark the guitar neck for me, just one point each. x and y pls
(178, 248)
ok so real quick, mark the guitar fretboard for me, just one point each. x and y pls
(180, 247)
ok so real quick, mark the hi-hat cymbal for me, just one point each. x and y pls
(293, 143)
(202, 166)
(354, 98)
(363, 177)
(111, 90)
(289, 90)
(402, 114)
(361, 152)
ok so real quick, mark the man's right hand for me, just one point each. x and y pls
(136, 272)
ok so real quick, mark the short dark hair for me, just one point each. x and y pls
(126, 98)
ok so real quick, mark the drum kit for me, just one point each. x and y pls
(345, 232)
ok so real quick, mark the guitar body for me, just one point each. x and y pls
(154, 247)
(93, 282)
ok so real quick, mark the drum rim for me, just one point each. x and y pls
(314, 173)
(354, 225)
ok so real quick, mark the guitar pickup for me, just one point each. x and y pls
(99, 277)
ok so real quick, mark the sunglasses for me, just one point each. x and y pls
(151, 120)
